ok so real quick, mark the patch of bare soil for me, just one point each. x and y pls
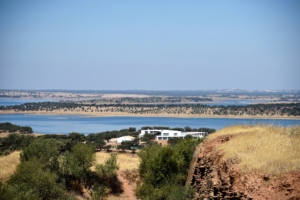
(128, 187)
(215, 178)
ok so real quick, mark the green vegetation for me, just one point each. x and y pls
(157, 100)
(47, 171)
(59, 167)
(163, 170)
(12, 128)
(282, 109)
(14, 142)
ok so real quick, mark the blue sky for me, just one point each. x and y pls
(153, 45)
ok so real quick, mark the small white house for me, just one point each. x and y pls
(125, 138)
(166, 134)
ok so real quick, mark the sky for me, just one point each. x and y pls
(150, 45)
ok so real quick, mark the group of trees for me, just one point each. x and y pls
(12, 128)
(58, 166)
(138, 100)
(98, 140)
(163, 170)
(291, 109)
(49, 171)
(14, 142)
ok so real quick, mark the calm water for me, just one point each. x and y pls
(12, 102)
(236, 102)
(51, 124)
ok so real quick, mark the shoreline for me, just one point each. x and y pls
(150, 115)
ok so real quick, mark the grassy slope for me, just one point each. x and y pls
(8, 165)
(125, 160)
(264, 148)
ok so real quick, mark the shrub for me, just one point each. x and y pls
(84, 154)
(14, 142)
(109, 168)
(31, 179)
(163, 170)
(45, 151)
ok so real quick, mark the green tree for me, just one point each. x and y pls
(77, 137)
(44, 150)
(84, 154)
(109, 168)
(69, 167)
(163, 170)
(33, 181)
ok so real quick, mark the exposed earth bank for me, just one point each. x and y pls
(215, 178)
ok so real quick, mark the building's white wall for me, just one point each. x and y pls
(170, 133)
(124, 138)
(165, 134)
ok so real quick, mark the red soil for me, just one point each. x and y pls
(215, 178)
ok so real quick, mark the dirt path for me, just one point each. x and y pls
(128, 189)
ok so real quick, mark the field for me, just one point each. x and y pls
(269, 149)
(8, 165)
(126, 161)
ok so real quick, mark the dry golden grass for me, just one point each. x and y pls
(126, 161)
(8, 165)
(264, 148)
(232, 130)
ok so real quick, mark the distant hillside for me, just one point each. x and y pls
(253, 110)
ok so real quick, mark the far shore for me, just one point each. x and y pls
(116, 114)
(6, 133)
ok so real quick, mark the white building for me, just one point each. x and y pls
(125, 138)
(166, 134)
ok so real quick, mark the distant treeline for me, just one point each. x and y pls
(287, 109)
(173, 92)
(12, 128)
(59, 167)
(98, 140)
(131, 100)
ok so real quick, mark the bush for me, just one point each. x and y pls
(85, 155)
(14, 142)
(109, 168)
(163, 170)
(168, 191)
(107, 173)
(31, 179)
(98, 193)
(45, 151)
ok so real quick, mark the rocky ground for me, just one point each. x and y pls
(216, 178)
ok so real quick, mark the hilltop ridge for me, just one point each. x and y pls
(248, 162)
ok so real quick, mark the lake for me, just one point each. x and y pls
(242, 102)
(64, 124)
(12, 102)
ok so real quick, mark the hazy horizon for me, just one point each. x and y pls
(163, 46)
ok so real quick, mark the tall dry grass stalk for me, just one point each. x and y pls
(270, 149)
(8, 165)
(125, 160)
